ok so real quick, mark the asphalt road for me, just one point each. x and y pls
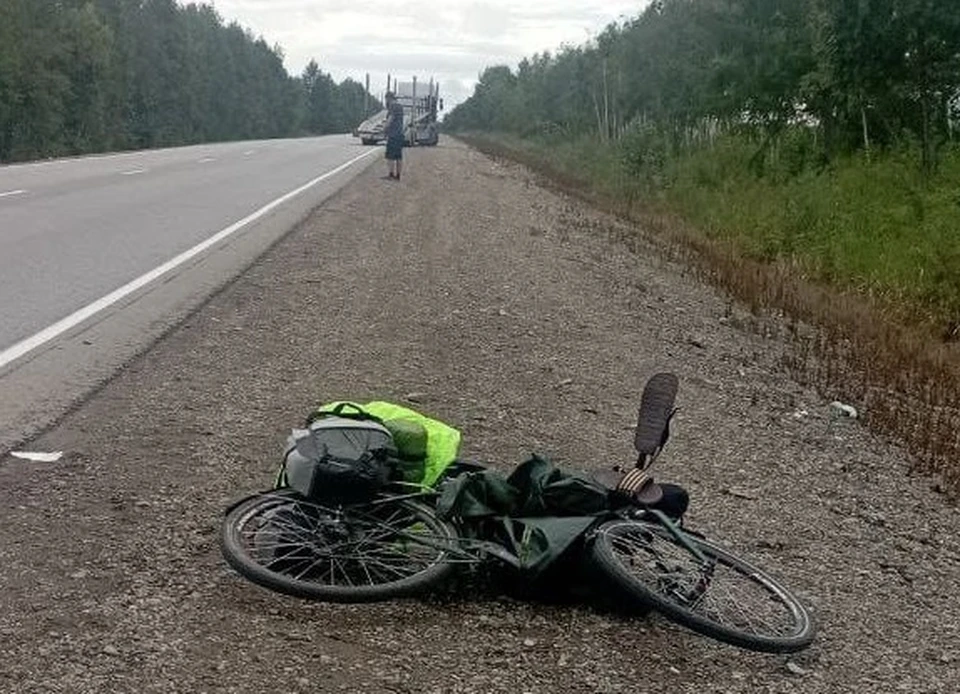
(72, 231)
(89, 249)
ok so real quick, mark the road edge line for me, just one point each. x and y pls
(24, 347)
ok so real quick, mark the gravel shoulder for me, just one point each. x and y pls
(531, 322)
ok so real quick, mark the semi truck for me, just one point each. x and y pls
(421, 104)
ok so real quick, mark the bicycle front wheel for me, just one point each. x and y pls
(384, 549)
(723, 597)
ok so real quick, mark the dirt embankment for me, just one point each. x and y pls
(522, 317)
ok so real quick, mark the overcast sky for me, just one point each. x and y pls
(449, 40)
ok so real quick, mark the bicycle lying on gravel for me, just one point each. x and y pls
(408, 540)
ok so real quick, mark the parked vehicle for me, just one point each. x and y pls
(421, 104)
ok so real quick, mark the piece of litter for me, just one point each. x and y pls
(795, 669)
(37, 456)
(844, 410)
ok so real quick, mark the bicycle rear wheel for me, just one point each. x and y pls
(381, 550)
(725, 597)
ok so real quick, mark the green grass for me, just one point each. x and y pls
(877, 227)
(874, 226)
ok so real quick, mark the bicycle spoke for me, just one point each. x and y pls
(366, 572)
(283, 559)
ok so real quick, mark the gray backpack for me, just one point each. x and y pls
(343, 459)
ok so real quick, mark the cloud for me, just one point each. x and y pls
(451, 41)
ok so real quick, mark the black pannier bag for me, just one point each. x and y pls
(338, 459)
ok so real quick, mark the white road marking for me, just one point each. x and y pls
(206, 160)
(52, 332)
(83, 157)
(38, 456)
(11, 193)
(135, 172)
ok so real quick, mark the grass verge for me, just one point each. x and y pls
(869, 347)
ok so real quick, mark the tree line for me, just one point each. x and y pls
(80, 76)
(855, 74)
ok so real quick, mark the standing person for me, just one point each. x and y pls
(394, 132)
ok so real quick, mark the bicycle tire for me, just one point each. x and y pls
(300, 547)
(670, 592)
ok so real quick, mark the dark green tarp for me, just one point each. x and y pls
(529, 518)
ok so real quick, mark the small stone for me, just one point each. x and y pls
(777, 545)
(414, 397)
(326, 660)
(299, 637)
(741, 493)
(303, 682)
(697, 342)
(529, 643)
(82, 573)
(142, 504)
(795, 669)
(674, 670)
(874, 518)
(111, 650)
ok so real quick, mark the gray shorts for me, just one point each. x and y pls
(395, 147)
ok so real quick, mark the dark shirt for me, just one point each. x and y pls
(394, 120)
